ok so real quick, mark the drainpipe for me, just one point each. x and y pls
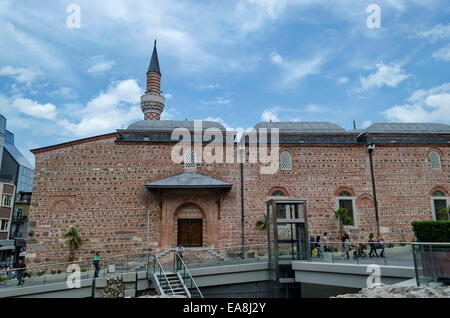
(370, 149)
(242, 205)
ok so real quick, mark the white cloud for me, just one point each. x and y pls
(443, 54)
(207, 87)
(343, 80)
(431, 105)
(314, 108)
(20, 74)
(366, 124)
(270, 115)
(112, 109)
(100, 65)
(294, 70)
(32, 108)
(439, 32)
(220, 101)
(168, 96)
(386, 75)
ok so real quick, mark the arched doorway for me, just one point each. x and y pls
(190, 226)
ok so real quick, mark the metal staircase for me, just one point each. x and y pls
(178, 282)
(173, 282)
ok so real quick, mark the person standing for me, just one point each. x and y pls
(317, 245)
(373, 249)
(96, 262)
(312, 243)
(345, 246)
(21, 272)
(381, 242)
(179, 250)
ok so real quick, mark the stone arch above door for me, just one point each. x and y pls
(173, 203)
(190, 211)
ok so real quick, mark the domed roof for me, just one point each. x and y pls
(170, 125)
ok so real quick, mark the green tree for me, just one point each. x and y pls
(444, 213)
(344, 219)
(262, 224)
(73, 242)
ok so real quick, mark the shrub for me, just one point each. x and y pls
(432, 231)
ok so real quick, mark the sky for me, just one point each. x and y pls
(237, 62)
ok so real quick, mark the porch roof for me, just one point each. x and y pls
(188, 180)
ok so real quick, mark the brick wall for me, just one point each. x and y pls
(98, 186)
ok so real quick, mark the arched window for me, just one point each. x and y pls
(278, 193)
(435, 160)
(440, 204)
(190, 159)
(285, 161)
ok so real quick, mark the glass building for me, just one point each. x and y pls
(287, 237)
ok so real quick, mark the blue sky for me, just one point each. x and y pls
(236, 61)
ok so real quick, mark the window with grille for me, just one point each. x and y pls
(190, 159)
(285, 161)
(435, 160)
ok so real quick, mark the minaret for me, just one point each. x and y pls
(152, 103)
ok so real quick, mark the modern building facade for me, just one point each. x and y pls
(7, 192)
(16, 170)
(127, 194)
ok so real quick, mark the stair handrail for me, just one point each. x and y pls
(186, 270)
(161, 269)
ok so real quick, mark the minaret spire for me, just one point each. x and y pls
(152, 103)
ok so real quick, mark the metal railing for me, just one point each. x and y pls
(204, 257)
(161, 277)
(431, 263)
(59, 272)
(380, 253)
(189, 282)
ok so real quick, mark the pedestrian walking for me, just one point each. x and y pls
(381, 242)
(96, 262)
(325, 242)
(345, 246)
(373, 249)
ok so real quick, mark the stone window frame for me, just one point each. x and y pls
(289, 157)
(434, 197)
(351, 196)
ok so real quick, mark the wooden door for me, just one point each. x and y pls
(190, 232)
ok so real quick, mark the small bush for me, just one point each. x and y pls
(432, 231)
